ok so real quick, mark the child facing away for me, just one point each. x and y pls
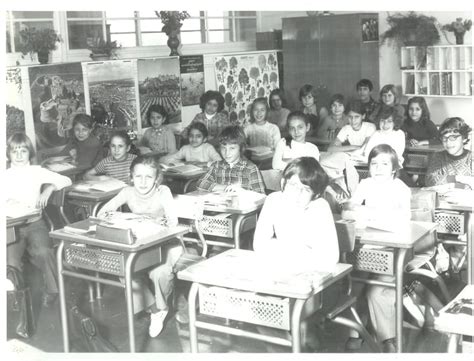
(84, 147)
(419, 129)
(356, 134)
(330, 126)
(24, 182)
(117, 164)
(260, 132)
(364, 89)
(158, 139)
(386, 202)
(307, 97)
(234, 171)
(389, 98)
(198, 151)
(278, 113)
(212, 105)
(295, 144)
(147, 196)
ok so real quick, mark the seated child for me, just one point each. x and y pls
(198, 151)
(260, 132)
(364, 87)
(386, 201)
(158, 138)
(454, 163)
(234, 171)
(419, 129)
(278, 114)
(356, 133)
(295, 144)
(212, 105)
(148, 196)
(85, 148)
(307, 97)
(23, 182)
(117, 164)
(330, 126)
(388, 99)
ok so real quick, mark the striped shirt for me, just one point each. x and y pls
(244, 172)
(118, 170)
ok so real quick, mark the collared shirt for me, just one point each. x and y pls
(244, 173)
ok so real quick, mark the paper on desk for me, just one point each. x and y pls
(181, 168)
(458, 196)
(108, 185)
(59, 167)
(17, 209)
(141, 226)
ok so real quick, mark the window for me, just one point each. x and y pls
(18, 20)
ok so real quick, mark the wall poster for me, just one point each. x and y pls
(192, 78)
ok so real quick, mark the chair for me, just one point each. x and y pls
(56, 201)
(272, 179)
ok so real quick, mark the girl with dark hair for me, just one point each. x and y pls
(278, 113)
(333, 123)
(419, 129)
(159, 138)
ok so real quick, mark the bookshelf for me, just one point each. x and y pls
(437, 71)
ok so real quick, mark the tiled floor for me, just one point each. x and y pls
(110, 316)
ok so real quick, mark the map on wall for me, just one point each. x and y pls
(158, 83)
(14, 102)
(192, 78)
(57, 95)
(243, 78)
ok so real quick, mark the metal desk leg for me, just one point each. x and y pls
(470, 251)
(453, 343)
(192, 317)
(62, 297)
(399, 297)
(129, 299)
(295, 325)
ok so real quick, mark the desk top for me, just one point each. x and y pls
(319, 141)
(91, 195)
(249, 271)
(455, 321)
(406, 237)
(186, 176)
(240, 208)
(90, 239)
(15, 221)
(426, 149)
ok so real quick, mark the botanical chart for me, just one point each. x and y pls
(192, 78)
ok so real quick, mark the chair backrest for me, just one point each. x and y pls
(56, 201)
(272, 179)
(346, 235)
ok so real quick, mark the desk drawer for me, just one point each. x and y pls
(380, 260)
(450, 222)
(217, 226)
(245, 306)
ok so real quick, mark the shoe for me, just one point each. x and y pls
(354, 343)
(157, 322)
(389, 346)
(48, 299)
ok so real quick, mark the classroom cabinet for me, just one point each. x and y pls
(330, 52)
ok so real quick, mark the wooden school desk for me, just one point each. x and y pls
(221, 280)
(390, 261)
(12, 222)
(86, 252)
(228, 227)
(90, 200)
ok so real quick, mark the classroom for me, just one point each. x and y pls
(206, 181)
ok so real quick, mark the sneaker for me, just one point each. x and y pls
(157, 322)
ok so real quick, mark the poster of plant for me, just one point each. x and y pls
(57, 95)
(112, 96)
(243, 78)
(158, 83)
(15, 121)
(192, 78)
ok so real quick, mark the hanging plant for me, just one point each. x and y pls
(411, 29)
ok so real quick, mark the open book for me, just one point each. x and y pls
(108, 185)
(59, 164)
(181, 168)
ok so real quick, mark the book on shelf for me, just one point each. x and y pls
(434, 84)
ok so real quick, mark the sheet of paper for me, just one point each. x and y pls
(102, 186)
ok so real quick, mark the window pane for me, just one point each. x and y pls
(119, 14)
(148, 14)
(154, 39)
(32, 14)
(121, 26)
(126, 40)
(193, 37)
(151, 25)
(245, 29)
(80, 31)
(191, 24)
(84, 14)
(33, 24)
(216, 24)
(215, 13)
(217, 36)
(245, 13)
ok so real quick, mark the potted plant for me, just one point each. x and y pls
(102, 49)
(40, 41)
(172, 22)
(459, 28)
(412, 29)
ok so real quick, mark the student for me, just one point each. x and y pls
(419, 129)
(159, 138)
(295, 144)
(278, 113)
(368, 104)
(454, 163)
(23, 183)
(260, 132)
(386, 200)
(212, 105)
(148, 196)
(198, 151)
(85, 148)
(388, 99)
(307, 97)
(356, 133)
(332, 124)
(285, 227)
(117, 164)
(234, 171)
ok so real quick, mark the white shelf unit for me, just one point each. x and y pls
(445, 71)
